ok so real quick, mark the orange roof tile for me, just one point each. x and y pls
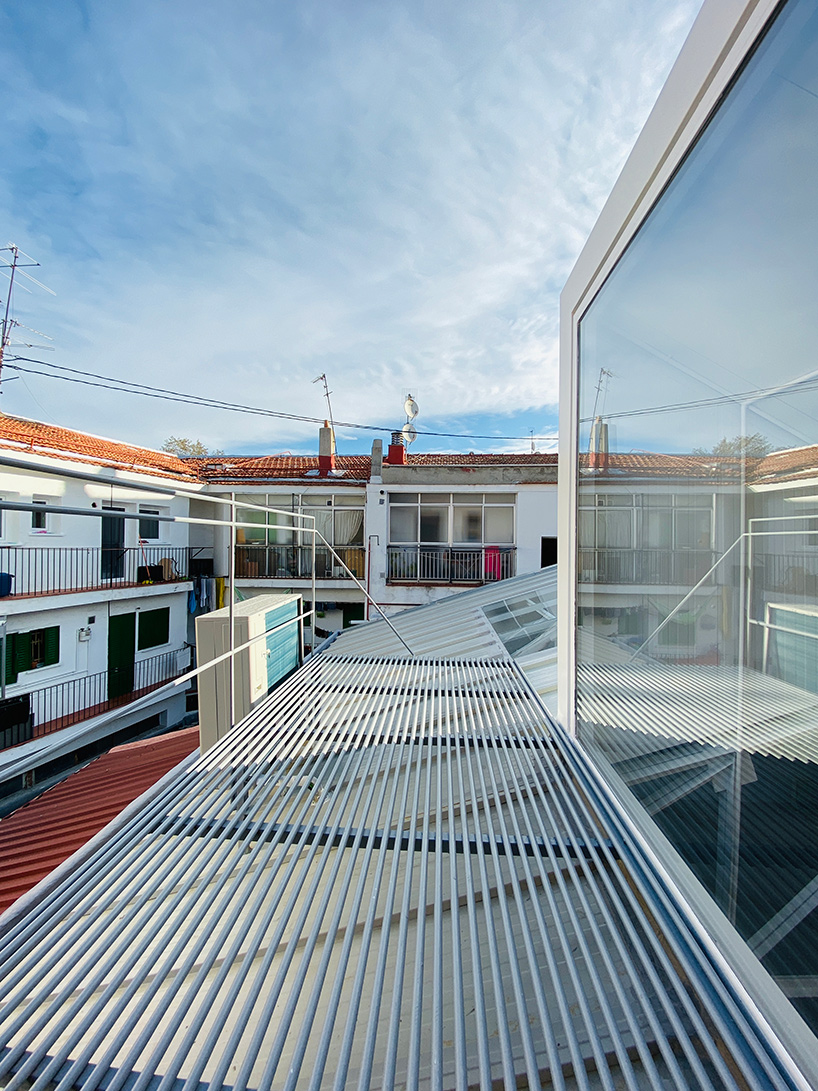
(531, 459)
(35, 838)
(285, 467)
(19, 434)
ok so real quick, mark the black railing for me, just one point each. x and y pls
(786, 573)
(450, 564)
(677, 568)
(77, 699)
(288, 562)
(52, 570)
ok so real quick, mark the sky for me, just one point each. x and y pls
(231, 200)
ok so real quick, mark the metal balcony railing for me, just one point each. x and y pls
(76, 699)
(677, 568)
(786, 573)
(288, 562)
(447, 564)
(53, 570)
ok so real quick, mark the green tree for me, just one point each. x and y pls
(754, 446)
(187, 448)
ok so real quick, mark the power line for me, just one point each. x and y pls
(126, 386)
(703, 403)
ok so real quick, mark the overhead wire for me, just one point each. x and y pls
(126, 386)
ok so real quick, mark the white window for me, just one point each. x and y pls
(149, 524)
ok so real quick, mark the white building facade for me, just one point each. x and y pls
(95, 607)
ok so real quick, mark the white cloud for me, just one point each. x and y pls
(233, 202)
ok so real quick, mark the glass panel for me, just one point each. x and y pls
(694, 353)
(350, 500)
(466, 498)
(403, 525)
(434, 524)
(498, 498)
(281, 528)
(434, 498)
(280, 500)
(403, 498)
(467, 524)
(251, 535)
(500, 526)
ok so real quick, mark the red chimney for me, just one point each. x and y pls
(396, 456)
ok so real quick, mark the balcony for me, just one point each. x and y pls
(450, 565)
(26, 572)
(786, 574)
(653, 567)
(292, 562)
(77, 699)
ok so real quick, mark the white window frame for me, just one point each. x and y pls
(716, 48)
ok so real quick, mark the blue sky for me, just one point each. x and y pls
(231, 200)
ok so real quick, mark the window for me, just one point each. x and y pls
(339, 518)
(148, 524)
(38, 518)
(154, 628)
(451, 519)
(692, 346)
(30, 651)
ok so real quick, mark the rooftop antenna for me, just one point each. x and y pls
(323, 378)
(409, 432)
(14, 266)
(604, 375)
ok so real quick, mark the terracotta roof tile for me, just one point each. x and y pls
(535, 459)
(37, 837)
(285, 467)
(19, 434)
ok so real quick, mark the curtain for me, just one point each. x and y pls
(348, 524)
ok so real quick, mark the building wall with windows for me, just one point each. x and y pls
(456, 521)
(95, 609)
(689, 595)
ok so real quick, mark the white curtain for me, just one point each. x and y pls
(348, 522)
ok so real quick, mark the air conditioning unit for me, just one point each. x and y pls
(257, 668)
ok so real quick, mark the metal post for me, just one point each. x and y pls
(314, 607)
(231, 567)
(3, 658)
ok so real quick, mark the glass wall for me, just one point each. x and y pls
(697, 493)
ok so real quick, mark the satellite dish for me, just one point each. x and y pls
(409, 433)
(410, 407)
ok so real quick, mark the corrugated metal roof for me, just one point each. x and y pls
(35, 838)
(395, 872)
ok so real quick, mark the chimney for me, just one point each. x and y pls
(326, 449)
(377, 458)
(397, 452)
(598, 447)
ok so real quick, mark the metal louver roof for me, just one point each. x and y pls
(394, 873)
(514, 616)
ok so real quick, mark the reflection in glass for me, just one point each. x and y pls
(697, 551)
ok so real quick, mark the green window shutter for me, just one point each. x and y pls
(154, 628)
(11, 669)
(22, 652)
(52, 646)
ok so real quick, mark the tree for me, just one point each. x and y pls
(754, 446)
(187, 448)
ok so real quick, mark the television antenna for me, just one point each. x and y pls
(9, 268)
(323, 378)
(409, 432)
